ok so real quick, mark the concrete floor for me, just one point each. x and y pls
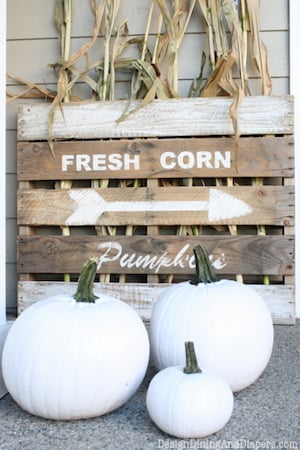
(266, 415)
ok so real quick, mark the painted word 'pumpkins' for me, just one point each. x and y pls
(75, 357)
(228, 321)
(187, 402)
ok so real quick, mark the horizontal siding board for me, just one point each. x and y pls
(11, 153)
(22, 23)
(12, 232)
(271, 255)
(274, 40)
(11, 188)
(279, 299)
(241, 205)
(278, 21)
(161, 118)
(154, 158)
(46, 52)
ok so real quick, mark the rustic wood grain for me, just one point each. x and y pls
(265, 205)
(273, 255)
(279, 298)
(161, 118)
(152, 230)
(249, 157)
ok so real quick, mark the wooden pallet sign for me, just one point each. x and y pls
(141, 193)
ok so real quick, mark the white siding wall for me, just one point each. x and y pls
(32, 44)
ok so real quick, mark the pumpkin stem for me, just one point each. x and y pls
(86, 279)
(204, 270)
(191, 359)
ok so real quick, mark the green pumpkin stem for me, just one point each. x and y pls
(86, 279)
(191, 359)
(204, 270)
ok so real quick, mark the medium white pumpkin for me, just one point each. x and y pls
(70, 359)
(186, 402)
(228, 321)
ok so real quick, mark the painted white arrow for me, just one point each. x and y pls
(91, 205)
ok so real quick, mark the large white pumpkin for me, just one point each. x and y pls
(228, 321)
(67, 359)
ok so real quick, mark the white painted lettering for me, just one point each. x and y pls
(186, 160)
(204, 159)
(218, 263)
(178, 260)
(99, 162)
(115, 161)
(222, 160)
(82, 163)
(66, 161)
(113, 252)
(144, 261)
(167, 160)
(133, 161)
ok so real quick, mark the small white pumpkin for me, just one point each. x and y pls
(228, 321)
(186, 402)
(75, 357)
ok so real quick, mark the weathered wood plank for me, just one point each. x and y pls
(273, 255)
(162, 118)
(279, 298)
(157, 158)
(245, 205)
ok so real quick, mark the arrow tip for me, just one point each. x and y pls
(224, 206)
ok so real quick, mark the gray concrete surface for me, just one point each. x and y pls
(266, 415)
(4, 329)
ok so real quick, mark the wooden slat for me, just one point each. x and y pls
(289, 231)
(157, 158)
(161, 206)
(27, 231)
(152, 230)
(271, 255)
(175, 117)
(279, 298)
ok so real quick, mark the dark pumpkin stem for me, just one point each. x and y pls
(191, 359)
(86, 280)
(204, 270)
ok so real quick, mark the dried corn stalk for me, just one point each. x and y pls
(176, 17)
(63, 19)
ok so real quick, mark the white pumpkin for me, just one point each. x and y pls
(228, 321)
(70, 359)
(186, 402)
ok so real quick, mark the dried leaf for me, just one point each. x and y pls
(258, 48)
(196, 83)
(176, 21)
(215, 83)
(38, 90)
